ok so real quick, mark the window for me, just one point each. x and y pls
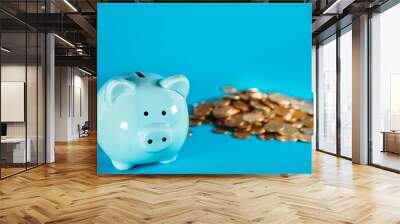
(22, 77)
(346, 92)
(385, 89)
(327, 95)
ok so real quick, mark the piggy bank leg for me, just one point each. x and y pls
(121, 166)
(169, 160)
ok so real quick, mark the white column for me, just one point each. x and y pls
(50, 100)
(50, 92)
(314, 91)
(360, 90)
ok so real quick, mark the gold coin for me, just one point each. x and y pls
(208, 120)
(241, 134)
(220, 130)
(307, 107)
(268, 115)
(257, 130)
(232, 97)
(298, 114)
(224, 111)
(258, 105)
(257, 95)
(229, 89)
(267, 136)
(252, 90)
(195, 122)
(197, 117)
(222, 102)
(269, 103)
(202, 109)
(308, 131)
(234, 121)
(304, 137)
(286, 138)
(298, 124)
(259, 124)
(245, 127)
(280, 99)
(281, 111)
(289, 118)
(219, 122)
(255, 116)
(288, 130)
(244, 96)
(241, 105)
(308, 122)
(273, 126)
(277, 119)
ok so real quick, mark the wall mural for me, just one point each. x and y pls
(204, 88)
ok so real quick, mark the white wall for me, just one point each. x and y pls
(69, 112)
(62, 82)
(15, 72)
(79, 117)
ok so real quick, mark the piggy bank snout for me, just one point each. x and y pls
(156, 137)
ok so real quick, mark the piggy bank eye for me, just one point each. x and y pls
(163, 113)
(140, 74)
(146, 113)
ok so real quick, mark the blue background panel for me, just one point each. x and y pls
(267, 46)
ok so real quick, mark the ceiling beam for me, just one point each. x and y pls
(79, 61)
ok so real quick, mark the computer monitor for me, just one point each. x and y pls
(3, 129)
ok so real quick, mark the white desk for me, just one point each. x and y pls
(19, 149)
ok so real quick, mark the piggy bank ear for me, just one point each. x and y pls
(177, 83)
(117, 88)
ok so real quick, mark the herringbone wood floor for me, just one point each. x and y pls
(69, 191)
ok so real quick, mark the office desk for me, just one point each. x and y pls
(16, 147)
(391, 141)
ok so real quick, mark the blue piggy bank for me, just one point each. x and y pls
(143, 118)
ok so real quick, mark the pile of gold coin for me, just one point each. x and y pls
(253, 112)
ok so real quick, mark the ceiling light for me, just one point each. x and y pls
(5, 50)
(337, 7)
(70, 5)
(84, 71)
(65, 41)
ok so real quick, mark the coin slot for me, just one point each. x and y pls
(146, 113)
(140, 74)
(149, 141)
(163, 113)
(164, 139)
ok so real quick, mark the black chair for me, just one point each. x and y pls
(84, 129)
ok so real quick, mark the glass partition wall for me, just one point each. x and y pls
(22, 77)
(327, 95)
(385, 89)
(334, 94)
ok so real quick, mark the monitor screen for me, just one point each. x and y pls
(3, 129)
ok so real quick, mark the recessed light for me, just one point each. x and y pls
(70, 5)
(64, 40)
(84, 71)
(5, 50)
